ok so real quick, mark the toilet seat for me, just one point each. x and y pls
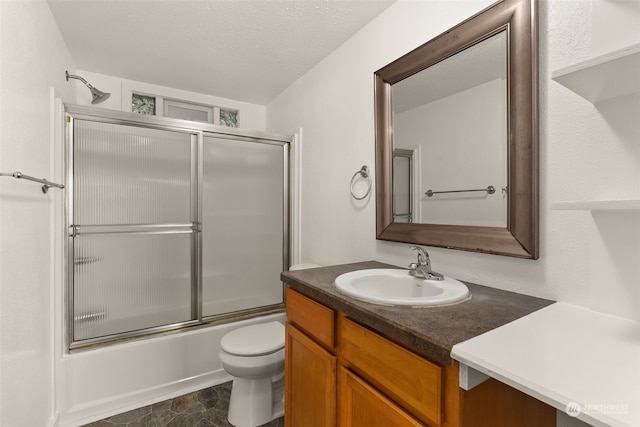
(254, 340)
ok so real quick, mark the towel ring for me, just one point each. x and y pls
(364, 172)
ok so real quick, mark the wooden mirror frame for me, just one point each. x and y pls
(520, 237)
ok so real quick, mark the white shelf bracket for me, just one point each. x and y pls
(469, 377)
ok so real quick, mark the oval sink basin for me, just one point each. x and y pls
(396, 287)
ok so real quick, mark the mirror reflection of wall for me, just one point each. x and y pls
(456, 112)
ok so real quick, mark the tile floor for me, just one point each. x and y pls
(204, 408)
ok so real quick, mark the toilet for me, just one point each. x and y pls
(254, 356)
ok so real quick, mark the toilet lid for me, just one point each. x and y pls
(254, 340)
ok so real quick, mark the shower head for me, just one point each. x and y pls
(97, 95)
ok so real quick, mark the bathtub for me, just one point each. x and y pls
(97, 383)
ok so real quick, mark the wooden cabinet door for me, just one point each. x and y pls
(408, 379)
(363, 406)
(310, 382)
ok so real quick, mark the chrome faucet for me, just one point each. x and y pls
(422, 268)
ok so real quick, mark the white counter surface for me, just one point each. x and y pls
(566, 355)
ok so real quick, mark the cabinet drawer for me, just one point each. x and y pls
(314, 318)
(408, 379)
(363, 406)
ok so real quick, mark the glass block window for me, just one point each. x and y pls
(229, 118)
(143, 104)
(157, 105)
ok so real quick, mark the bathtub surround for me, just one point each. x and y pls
(142, 372)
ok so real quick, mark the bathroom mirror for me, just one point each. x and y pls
(457, 137)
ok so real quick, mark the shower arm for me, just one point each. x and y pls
(97, 95)
(73, 76)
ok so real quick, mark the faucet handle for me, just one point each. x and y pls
(422, 268)
(423, 256)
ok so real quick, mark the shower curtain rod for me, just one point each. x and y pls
(45, 184)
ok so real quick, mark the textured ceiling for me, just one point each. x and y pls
(244, 49)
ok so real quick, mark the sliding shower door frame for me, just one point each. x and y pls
(198, 131)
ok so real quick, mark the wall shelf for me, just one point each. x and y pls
(604, 77)
(598, 205)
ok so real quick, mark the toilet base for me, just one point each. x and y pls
(251, 403)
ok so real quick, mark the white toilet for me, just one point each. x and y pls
(254, 355)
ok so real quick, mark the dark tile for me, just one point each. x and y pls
(101, 423)
(222, 405)
(224, 392)
(197, 408)
(185, 420)
(217, 416)
(130, 416)
(184, 403)
(154, 419)
(208, 397)
(161, 406)
(208, 407)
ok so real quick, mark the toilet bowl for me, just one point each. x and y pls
(254, 356)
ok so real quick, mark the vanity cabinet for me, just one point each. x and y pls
(310, 363)
(362, 405)
(310, 380)
(412, 381)
(339, 372)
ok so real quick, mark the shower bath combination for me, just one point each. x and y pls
(98, 96)
(159, 213)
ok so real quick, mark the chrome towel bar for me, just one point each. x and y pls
(45, 184)
(490, 190)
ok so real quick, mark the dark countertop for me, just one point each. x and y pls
(430, 331)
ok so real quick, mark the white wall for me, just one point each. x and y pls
(625, 14)
(585, 153)
(33, 59)
(333, 104)
(462, 147)
(252, 116)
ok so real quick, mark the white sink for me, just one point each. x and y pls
(396, 287)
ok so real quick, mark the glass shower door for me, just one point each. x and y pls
(170, 226)
(243, 224)
(132, 228)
